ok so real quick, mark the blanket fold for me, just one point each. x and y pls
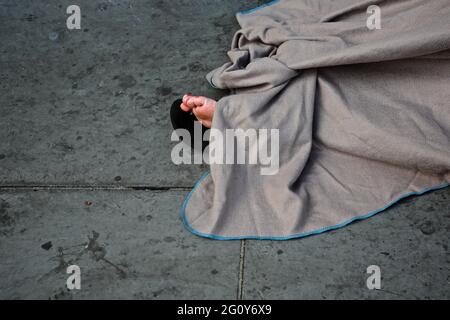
(363, 116)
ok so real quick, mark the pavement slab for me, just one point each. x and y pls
(87, 106)
(409, 242)
(128, 245)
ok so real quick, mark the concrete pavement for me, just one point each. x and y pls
(86, 176)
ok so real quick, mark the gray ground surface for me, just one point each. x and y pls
(84, 121)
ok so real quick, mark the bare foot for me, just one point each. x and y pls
(202, 107)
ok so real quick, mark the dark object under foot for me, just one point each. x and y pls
(185, 120)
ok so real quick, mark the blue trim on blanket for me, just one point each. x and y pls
(260, 7)
(211, 83)
(298, 235)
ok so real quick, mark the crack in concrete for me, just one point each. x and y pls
(240, 289)
(8, 188)
(98, 253)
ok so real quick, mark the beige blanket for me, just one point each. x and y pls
(363, 116)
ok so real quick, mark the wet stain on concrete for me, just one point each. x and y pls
(47, 246)
(169, 239)
(126, 81)
(63, 147)
(7, 221)
(145, 218)
(427, 228)
(70, 255)
(163, 91)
